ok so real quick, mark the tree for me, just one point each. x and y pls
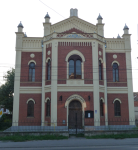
(7, 90)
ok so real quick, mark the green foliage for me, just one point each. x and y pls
(5, 122)
(7, 90)
(20, 138)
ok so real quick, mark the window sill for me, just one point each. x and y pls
(30, 117)
(75, 79)
(117, 116)
(75, 82)
(30, 82)
(117, 82)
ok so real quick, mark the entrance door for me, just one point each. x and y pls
(75, 114)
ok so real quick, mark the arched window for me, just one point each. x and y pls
(75, 67)
(49, 70)
(101, 108)
(32, 71)
(30, 109)
(117, 108)
(115, 72)
(100, 70)
(48, 108)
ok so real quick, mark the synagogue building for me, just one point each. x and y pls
(73, 72)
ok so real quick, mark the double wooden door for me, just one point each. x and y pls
(75, 114)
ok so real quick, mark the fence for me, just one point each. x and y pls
(63, 126)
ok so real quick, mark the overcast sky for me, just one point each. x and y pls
(31, 12)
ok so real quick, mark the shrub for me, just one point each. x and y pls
(5, 122)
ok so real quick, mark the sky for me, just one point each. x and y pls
(32, 12)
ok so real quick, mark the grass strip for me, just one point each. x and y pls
(20, 138)
(77, 135)
(113, 136)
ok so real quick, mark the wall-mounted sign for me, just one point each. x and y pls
(89, 114)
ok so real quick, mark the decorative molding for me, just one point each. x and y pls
(31, 42)
(32, 55)
(114, 56)
(75, 97)
(102, 99)
(77, 42)
(30, 89)
(32, 61)
(76, 35)
(48, 53)
(75, 52)
(48, 59)
(100, 53)
(115, 44)
(101, 60)
(30, 99)
(47, 99)
(73, 22)
(117, 99)
(115, 62)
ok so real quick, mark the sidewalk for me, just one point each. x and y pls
(71, 142)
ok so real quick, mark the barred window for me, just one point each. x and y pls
(117, 108)
(30, 109)
(100, 70)
(32, 72)
(101, 108)
(49, 70)
(48, 108)
(115, 72)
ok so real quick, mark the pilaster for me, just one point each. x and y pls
(96, 83)
(105, 86)
(15, 120)
(43, 84)
(54, 74)
(130, 89)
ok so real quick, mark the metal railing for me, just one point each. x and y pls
(63, 126)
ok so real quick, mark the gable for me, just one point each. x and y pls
(73, 23)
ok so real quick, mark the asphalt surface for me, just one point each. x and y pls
(73, 144)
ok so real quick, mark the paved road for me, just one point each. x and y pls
(73, 144)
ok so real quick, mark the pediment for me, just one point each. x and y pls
(73, 24)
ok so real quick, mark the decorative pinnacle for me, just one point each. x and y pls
(126, 27)
(47, 16)
(99, 17)
(25, 35)
(20, 25)
(118, 37)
